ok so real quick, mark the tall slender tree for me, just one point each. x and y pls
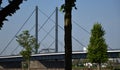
(28, 42)
(67, 8)
(97, 48)
(8, 10)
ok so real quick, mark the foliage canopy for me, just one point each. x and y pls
(28, 42)
(8, 10)
(97, 48)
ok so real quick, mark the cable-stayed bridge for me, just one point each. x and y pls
(49, 33)
(50, 42)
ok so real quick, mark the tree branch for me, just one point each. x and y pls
(10, 9)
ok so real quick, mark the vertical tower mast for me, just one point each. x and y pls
(56, 31)
(36, 29)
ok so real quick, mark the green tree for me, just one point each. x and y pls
(8, 10)
(28, 42)
(97, 48)
(67, 8)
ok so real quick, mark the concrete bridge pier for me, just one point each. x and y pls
(47, 64)
(34, 65)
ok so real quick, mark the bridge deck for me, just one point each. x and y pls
(58, 56)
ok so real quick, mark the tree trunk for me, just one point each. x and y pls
(68, 36)
(28, 63)
(99, 66)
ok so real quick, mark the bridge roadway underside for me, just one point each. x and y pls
(52, 60)
(34, 64)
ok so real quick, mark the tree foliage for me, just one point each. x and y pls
(8, 10)
(68, 4)
(28, 42)
(97, 48)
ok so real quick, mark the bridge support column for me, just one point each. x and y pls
(36, 64)
(1, 67)
(46, 64)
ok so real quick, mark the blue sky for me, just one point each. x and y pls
(106, 12)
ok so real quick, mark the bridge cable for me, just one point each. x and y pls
(18, 45)
(47, 34)
(47, 15)
(85, 30)
(51, 44)
(74, 38)
(63, 29)
(39, 25)
(46, 21)
(61, 26)
(81, 27)
(52, 36)
(16, 33)
(51, 20)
